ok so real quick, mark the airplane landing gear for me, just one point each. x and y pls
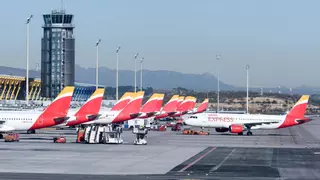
(249, 133)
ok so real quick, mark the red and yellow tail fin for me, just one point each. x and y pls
(296, 114)
(57, 111)
(187, 104)
(299, 109)
(203, 106)
(60, 106)
(159, 103)
(92, 105)
(180, 100)
(171, 104)
(192, 104)
(123, 101)
(152, 105)
(132, 109)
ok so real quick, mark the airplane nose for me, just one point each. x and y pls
(187, 121)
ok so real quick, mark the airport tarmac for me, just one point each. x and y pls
(291, 153)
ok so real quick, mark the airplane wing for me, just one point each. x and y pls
(249, 125)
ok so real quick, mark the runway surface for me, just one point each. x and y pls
(291, 153)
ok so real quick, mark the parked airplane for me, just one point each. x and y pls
(54, 114)
(169, 108)
(238, 123)
(152, 106)
(130, 111)
(87, 112)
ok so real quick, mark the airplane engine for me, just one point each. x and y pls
(236, 129)
(222, 129)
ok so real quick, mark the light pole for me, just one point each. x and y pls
(218, 91)
(27, 68)
(117, 71)
(135, 73)
(97, 63)
(141, 73)
(247, 68)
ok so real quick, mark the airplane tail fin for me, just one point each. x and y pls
(92, 106)
(159, 103)
(192, 104)
(123, 101)
(299, 109)
(131, 111)
(296, 114)
(60, 106)
(187, 104)
(171, 105)
(203, 106)
(57, 111)
(152, 105)
(180, 100)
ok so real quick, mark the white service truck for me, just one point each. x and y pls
(141, 122)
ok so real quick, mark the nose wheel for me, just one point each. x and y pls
(249, 133)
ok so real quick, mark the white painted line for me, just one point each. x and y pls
(317, 153)
(224, 160)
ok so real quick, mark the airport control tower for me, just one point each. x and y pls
(57, 53)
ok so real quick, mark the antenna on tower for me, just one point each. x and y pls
(62, 9)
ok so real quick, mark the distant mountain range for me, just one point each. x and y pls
(160, 79)
(157, 79)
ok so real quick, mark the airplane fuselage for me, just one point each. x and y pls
(24, 120)
(214, 120)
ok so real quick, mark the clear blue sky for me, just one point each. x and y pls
(279, 39)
